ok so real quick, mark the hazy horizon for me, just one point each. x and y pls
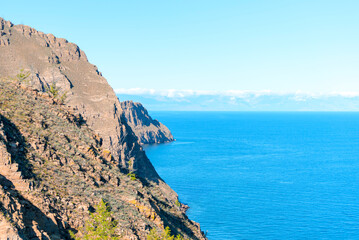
(188, 100)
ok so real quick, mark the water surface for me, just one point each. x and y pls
(264, 175)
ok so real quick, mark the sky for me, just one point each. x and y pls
(278, 46)
(190, 100)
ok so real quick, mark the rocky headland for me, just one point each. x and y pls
(148, 130)
(65, 145)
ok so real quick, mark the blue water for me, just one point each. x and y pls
(264, 175)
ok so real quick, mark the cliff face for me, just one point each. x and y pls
(54, 168)
(57, 161)
(147, 130)
(55, 60)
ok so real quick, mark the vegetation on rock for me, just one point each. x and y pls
(22, 75)
(178, 204)
(59, 169)
(132, 176)
(164, 235)
(100, 226)
(54, 167)
(55, 92)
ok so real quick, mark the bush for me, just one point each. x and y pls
(100, 226)
(165, 235)
(22, 75)
(132, 176)
(178, 204)
(55, 92)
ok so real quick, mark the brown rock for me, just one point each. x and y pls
(46, 168)
(87, 91)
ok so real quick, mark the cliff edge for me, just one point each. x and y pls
(147, 130)
(55, 61)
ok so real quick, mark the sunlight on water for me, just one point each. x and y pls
(264, 175)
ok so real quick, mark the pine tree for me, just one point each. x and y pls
(101, 225)
(165, 235)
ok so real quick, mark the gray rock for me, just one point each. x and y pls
(148, 130)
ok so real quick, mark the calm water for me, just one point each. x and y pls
(264, 175)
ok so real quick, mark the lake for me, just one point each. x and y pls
(264, 175)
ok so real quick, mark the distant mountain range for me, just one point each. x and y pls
(189, 100)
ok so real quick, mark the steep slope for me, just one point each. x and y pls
(54, 169)
(147, 130)
(52, 60)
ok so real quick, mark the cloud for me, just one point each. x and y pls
(174, 93)
(232, 94)
(241, 100)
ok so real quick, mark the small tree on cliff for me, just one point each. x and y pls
(165, 235)
(54, 91)
(100, 226)
(22, 75)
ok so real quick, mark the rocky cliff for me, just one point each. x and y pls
(52, 60)
(57, 160)
(147, 130)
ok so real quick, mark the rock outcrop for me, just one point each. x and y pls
(52, 60)
(54, 168)
(147, 130)
(64, 158)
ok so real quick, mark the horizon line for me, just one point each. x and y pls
(183, 93)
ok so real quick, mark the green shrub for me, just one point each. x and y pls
(22, 75)
(132, 176)
(55, 92)
(165, 235)
(100, 226)
(178, 204)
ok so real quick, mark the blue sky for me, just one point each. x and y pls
(282, 46)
